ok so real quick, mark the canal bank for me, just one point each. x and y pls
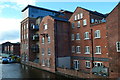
(69, 73)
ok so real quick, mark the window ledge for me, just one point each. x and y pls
(98, 53)
(43, 65)
(77, 39)
(97, 37)
(118, 50)
(86, 38)
(87, 52)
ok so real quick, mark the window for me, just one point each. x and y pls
(86, 35)
(73, 25)
(43, 51)
(78, 25)
(97, 64)
(98, 50)
(73, 49)
(49, 52)
(48, 39)
(45, 26)
(43, 62)
(84, 22)
(76, 64)
(78, 49)
(78, 16)
(77, 36)
(92, 20)
(75, 17)
(43, 40)
(81, 15)
(48, 62)
(97, 34)
(87, 50)
(87, 64)
(118, 46)
(72, 37)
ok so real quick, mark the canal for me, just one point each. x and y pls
(22, 71)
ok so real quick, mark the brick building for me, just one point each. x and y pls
(54, 43)
(88, 40)
(11, 48)
(84, 41)
(113, 28)
(32, 17)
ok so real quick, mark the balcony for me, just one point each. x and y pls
(35, 37)
(35, 48)
(35, 27)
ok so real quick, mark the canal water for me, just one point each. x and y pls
(22, 71)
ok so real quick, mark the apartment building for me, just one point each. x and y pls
(84, 41)
(54, 43)
(88, 40)
(113, 28)
(30, 26)
(32, 17)
(11, 48)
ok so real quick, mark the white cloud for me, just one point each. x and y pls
(18, 4)
(8, 25)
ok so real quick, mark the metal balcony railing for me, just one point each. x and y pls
(35, 37)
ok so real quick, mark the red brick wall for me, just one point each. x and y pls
(46, 45)
(96, 42)
(113, 36)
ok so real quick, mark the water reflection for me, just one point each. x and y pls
(22, 71)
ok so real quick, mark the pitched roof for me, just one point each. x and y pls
(39, 8)
(59, 19)
(95, 12)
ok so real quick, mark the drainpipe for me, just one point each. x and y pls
(92, 48)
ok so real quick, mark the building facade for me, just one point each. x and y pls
(88, 40)
(84, 41)
(113, 28)
(11, 48)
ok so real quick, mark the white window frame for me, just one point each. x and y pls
(81, 15)
(75, 17)
(76, 64)
(48, 62)
(87, 64)
(86, 36)
(45, 26)
(43, 40)
(78, 49)
(73, 49)
(118, 46)
(78, 36)
(87, 49)
(72, 37)
(49, 51)
(97, 34)
(96, 64)
(49, 39)
(78, 16)
(97, 47)
(78, 24)
(43, 51)
(43, 62)
(84, 22)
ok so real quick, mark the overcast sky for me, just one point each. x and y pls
(11, 16)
